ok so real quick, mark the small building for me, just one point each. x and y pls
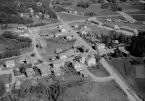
(30, 72)
(69, 38)
(36, 16)
(10, 64)
(84, 32)
(18, 85)
(25, 35)
(45, 69)
(62, 56)
(116, 27)
(31, 10)
(91, 61)
(76, 26)
(75, 12)
(78, 67)
(63, 30)
(60, 26)
(39, 13)
(46, 16)
(57, 67)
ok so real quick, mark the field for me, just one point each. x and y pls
(139, 17)
(53, 45)
(123, 65)
(94, 8)
(99, 71)
(94, 91)
(127, 6)
(139, 12)
(70, 17)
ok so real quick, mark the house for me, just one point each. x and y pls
(17, 85)
(36, 16)
(46, 16)
(10, 64)
(63, 30)
(62, 56)
(76, 26)
(31, 10)
(75, 12)
(60, 26)
(84, 32)
(91, 61)
(69, 38)
(8, 87)
(30, 72)
(45, 69)
(39, 4)
(78, 67)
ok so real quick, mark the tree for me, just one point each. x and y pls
(83, 4)
(2, 89)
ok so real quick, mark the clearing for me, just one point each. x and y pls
(94, 91)
(70, 17)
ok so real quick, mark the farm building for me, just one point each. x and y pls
(10, 64)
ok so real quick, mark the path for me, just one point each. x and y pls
(126, 16)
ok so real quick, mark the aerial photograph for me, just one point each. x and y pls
(72, 50)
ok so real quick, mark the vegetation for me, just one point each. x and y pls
(90, 14)
(137, 47)
(9, 15)
(2, 89)
(83, 4)
(12, 44)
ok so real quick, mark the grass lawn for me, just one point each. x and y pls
(95, 91)
(99, 71)
(53, 45)
(70, 17)
(139, 17)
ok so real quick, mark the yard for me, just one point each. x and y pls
(70, 17)
(99, 71)
(139, 17)
(52, 45)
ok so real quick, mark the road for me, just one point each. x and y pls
(126, 16)
(120, 80)
(115, 74)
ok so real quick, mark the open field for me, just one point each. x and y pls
(53, 45)
(139, 17)
(99, 71)
(94, 91)
(70, 17)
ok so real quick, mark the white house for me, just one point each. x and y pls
(91, 61)
(62, 56)
(77, 66)
(76, 26)
(63, 30)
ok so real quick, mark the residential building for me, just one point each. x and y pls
(62, 56)
(63, 30)
(8, 87)
(39, 4)
(10, 64)
(58, 50)
(45, 69)
(31, 10)
(46, 16)
(30, 72)
(91, 61)
(78, 67)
